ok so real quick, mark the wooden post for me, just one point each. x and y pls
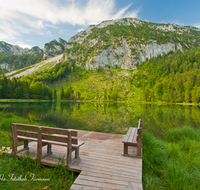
(14, 138)
(69, 148)
(39, 145)
(139, 139)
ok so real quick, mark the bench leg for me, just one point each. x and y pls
(25, 144)
(77, 153)
(49, 149)
(125, 148)
(15, 140)
(39, 145)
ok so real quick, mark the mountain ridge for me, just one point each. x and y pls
(127, 42)
(122, 43)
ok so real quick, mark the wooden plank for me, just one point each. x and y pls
(27, 134)
(59, 131)
(46, 129)
(26, 127)
(86, 187)
(27, 138)
(103, 180)
(59, 138)
(114, 160)
(101, 184)
(108, 175)
(107, 165)
(118, 170)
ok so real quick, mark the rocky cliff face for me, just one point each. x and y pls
(121, 57)
(127, 42)
(6, 67)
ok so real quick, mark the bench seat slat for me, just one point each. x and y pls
(61, 143)
(50, 142)
(26, 138)
(127, 134)
(134, 139)
(132, 135)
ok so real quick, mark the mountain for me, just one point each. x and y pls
(55, 48)
(15, 49)
(14, 57)
(123, 43)
(126, 43)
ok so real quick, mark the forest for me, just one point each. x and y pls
(20, 61)
(173, 77)
(34, 86)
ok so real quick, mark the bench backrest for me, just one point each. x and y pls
(62, 135)
(139, 129)
(139, 139)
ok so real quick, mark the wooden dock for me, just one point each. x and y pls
(101, 164)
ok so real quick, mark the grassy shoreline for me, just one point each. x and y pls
(82, 101)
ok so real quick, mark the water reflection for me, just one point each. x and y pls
(108, 117)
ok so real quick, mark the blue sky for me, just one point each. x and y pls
(29, 23)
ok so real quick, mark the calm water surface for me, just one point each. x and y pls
(109, 118)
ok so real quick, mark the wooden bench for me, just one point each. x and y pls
(46, 136)
(134, 138)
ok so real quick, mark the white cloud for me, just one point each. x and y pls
(81, 29)
(23, 45)
(31, 16)
(49, 33)
(197, 25)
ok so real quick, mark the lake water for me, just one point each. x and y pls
(109, 118)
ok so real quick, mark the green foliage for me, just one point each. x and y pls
(54, 178)
(98, 85)
(173, 163)
(17, 89)
(172, 78)
(20, 61)
(60, 71)
(176, 135)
